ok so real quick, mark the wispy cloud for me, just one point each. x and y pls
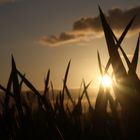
(67, 38)
(4, 2)
(90, 27)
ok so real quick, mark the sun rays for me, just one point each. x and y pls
(106, 81)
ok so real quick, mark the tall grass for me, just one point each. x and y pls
(52, 116)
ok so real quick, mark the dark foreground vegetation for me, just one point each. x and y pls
(38, 116)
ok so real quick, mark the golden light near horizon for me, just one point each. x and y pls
(106, 81)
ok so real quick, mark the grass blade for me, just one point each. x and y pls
(87, 96)
(16, 89)
(29, 85)
(65, 82)
(116, 61)
(47, 83)
(69, 95)
(66, 75)
(134, 62)
(99, 62)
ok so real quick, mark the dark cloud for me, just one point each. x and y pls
(63, 38)
(91, 26)
(119, 18)
(87, 24)
(116, 17)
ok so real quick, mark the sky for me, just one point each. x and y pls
(46, 34)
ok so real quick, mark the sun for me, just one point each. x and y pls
(106, 81)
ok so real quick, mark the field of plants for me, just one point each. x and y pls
(51, 116)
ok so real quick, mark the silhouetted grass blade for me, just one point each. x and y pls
(118, 67)
(65, 81)
(29, 85)
(99, 62)
(7, 96)
(47, 83)
(69, 95)
(66, 75)
(118, 43)
(53, 94)
(6, 91)
(134, 62)
(16, 89)
(87, 96)
(124, 32)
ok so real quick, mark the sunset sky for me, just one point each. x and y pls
(43, 34)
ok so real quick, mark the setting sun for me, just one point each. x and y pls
(106, 81)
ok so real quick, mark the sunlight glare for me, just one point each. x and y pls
(106, 81)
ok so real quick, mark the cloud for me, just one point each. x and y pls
(87, 28)
(66, 38)
(57, 40)
(4, 2)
